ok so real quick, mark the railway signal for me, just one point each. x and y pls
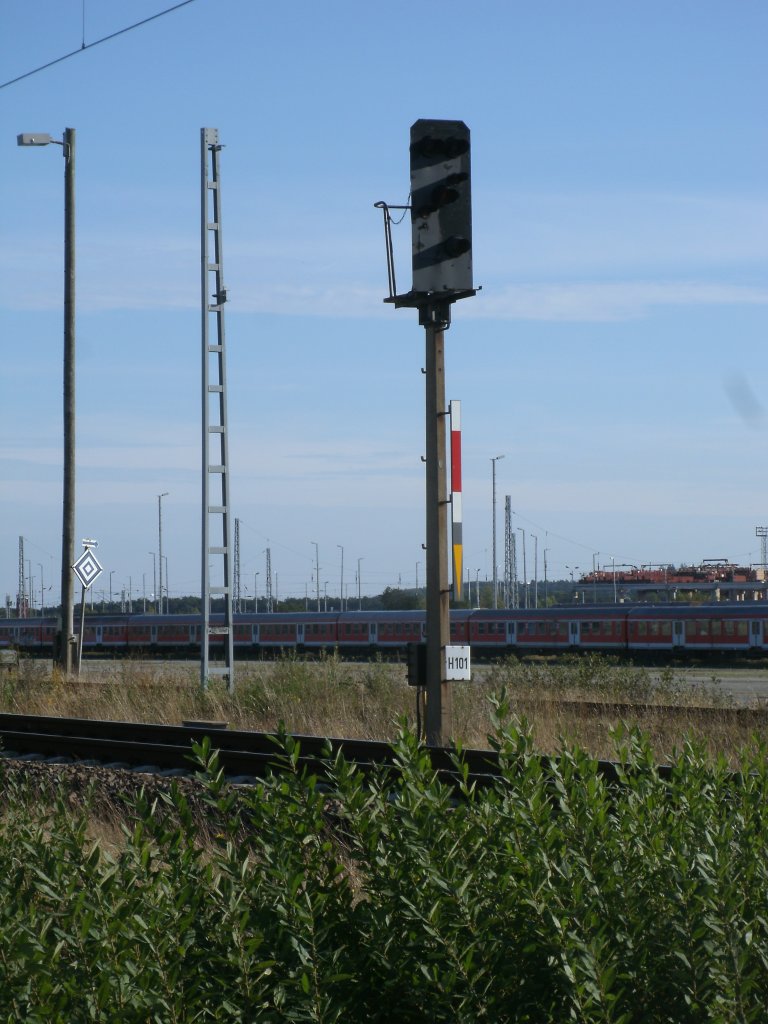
(87, 569)
(441, 207)
(441, 233)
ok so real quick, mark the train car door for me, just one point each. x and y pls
(511, 633)
(299, 632)
(98, 631)
(153, 634)
(756, 633)
(678, 633)
(574, 633)
(372, 633)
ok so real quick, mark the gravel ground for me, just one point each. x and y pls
(109, 793)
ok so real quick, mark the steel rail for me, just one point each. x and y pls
(243, 755)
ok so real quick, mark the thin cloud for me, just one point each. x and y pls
(608, 301)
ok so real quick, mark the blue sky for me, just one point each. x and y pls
(616, 355)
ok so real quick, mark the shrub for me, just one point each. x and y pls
(548, 895)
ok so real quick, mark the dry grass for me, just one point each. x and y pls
(334, 698)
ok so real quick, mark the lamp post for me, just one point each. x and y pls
(317, 572)
(68, 499)
(573, 569)
(595, 569)
(154, 577)
(525, 570)
(341, 592)
(160, 542)
(359, 597)
(42, 592)
(535, 570)
(255, 592)
(494, 460)
(111, 574)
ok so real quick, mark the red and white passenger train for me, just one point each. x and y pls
(727, 627)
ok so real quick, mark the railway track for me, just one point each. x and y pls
(245, 756)
(747, 718)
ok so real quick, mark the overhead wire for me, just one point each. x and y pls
(96, 42)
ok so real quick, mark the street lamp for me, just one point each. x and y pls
(573, 569)
(160, 542)
(317, 571)
(535, 570)
(525, 570)
(68, 499)
(494, 460)
(111, 574)
(154, 577)
(256, 592)
(341, 606)
(359, 597)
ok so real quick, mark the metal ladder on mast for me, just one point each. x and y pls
(215, 455)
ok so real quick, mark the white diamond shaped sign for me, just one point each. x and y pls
(87, 568)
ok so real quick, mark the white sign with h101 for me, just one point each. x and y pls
(457, 663)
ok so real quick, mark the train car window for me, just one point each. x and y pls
(642, 629)
(742, 629)
(717, 627)
(703, 627)
(690, 629)
(666, 629)
(730, 627)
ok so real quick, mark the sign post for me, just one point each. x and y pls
(87, 569)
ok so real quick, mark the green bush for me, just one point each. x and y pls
(549, 895)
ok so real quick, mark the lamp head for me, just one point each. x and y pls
(33, 139)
